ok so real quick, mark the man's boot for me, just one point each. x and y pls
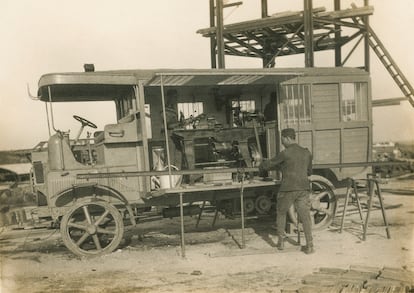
(308, 248)
(281, 243)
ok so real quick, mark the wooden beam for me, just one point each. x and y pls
(248, 46)
(388, 102)
(347, 13)
(327, 21)
(233, 4)
(273, 21)
(256, 24)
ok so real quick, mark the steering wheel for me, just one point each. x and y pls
(84, 122)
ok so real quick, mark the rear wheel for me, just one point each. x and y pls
(323, 203)
(92, 228)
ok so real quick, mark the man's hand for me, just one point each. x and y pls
(262, 170)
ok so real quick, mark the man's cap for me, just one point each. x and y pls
(289, 132)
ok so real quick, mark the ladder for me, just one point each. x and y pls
(388, 62)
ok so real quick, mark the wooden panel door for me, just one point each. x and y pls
(325, 104)
(326, 123)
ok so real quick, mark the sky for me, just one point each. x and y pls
(44, 36)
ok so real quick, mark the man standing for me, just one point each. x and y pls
(270, 110)
(295, 162)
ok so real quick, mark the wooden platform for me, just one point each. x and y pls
(282, 33)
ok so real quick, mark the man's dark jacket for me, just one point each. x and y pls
(295, 162)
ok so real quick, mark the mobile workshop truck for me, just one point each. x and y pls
(94, 187)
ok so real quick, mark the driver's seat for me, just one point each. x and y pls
(98, 136)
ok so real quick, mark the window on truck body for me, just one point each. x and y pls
(245, 106)
(125, 104)
(354, 103)
(296, 103)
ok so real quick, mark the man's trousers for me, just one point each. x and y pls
(302, 204)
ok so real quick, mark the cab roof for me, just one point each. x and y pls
(109, 85)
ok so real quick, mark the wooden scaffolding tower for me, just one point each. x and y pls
(302, 32)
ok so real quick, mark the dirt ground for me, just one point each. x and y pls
(37, 261)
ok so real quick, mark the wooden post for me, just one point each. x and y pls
(219, 34)
(308, 27)
(264, 9)
(213, 42)
(182, 226)
(338, 54)
(366, 40)
(243, 245)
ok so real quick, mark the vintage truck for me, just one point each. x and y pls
(95, 186)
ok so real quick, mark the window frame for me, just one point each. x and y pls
(292, 105)
(354, 108)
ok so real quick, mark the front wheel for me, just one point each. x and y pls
(92, 228)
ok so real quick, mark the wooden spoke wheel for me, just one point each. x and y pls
(92, 228)
(323, 203)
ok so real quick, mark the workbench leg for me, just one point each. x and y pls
(201, 211)
(182, 226)
(298, 227)
(215, 217)
(348, 192)
(369, 204)
(383, 210)
(242, 213)
(358, 201)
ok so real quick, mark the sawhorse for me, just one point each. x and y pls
(372, 186)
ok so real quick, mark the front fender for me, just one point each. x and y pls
(89, 192)
(78, 192)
